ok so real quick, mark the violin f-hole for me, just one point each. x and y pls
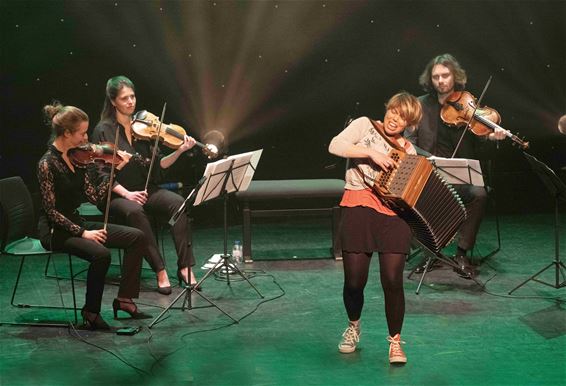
(456, 105)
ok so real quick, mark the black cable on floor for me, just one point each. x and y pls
(78, 336)
(159, 359)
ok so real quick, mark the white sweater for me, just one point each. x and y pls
(360, 132)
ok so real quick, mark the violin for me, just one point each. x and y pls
(457, 111)
(145, 126)
(90, 153)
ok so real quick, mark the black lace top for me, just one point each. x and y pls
(133, 175)
(63, 191)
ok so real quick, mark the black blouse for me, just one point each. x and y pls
(133, 175)
(63, 191)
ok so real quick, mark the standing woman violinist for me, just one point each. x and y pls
(368, 225)
(130, 201)
(63, 188)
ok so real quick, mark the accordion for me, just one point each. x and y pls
(417, 193)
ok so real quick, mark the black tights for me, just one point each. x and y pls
(356, 269)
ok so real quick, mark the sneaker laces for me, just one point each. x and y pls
(351, 336)
(395, 346)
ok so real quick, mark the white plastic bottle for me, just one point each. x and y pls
(237, 252)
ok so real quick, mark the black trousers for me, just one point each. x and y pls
(475, 200)
(132, 240)
(162, 204)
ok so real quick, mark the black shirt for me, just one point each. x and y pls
(133, 175)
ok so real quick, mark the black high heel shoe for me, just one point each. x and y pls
(164, 290)
(93, 321)
(135, 314)
(183, 283)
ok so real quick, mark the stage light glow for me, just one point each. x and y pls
(228, 58)
(237, 65)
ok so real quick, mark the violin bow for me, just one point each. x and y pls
(155, 147)
(111, 180)
(468, 124)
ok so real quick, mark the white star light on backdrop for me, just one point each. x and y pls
(227, 71)
(244, 94)
(214, 85)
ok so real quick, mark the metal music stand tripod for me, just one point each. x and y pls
(557, 189)
(229, 175)
(431, 256)
(189, 289)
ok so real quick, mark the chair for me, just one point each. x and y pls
(89, 212)
(18, 218)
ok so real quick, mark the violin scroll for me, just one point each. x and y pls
(211, 151)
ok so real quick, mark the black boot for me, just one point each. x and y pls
(93, 321)
(465, 268)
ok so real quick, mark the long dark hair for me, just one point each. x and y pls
(113, 87)
(460, 78)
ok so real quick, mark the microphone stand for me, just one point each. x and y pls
(189, 289)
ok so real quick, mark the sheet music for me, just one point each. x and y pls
(459, 170)
(243, 169)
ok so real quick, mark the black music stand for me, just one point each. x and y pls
(226, 176)
(189, 289)
(557, 189)
(458, 170)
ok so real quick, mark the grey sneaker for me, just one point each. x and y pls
(350, 338)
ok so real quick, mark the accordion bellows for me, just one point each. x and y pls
(417, 193)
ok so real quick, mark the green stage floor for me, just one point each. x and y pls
(457, 332)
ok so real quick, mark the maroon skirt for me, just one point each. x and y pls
(364, 229)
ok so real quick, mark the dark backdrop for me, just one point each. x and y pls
(283, 75)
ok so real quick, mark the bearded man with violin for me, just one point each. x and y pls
(64, 185)
(441, 78)
(136, 193)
